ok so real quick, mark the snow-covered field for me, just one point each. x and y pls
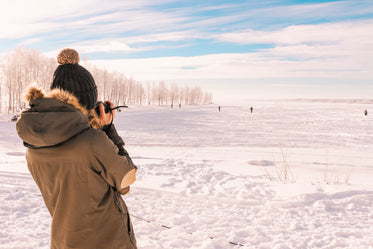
(292, 174)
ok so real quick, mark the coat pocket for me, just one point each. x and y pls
(125, 217)
(130, 230)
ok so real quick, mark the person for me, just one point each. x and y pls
(251, 109)
(219, 108)
(366, 112)
(78, 161)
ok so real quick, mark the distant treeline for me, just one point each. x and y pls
(26, 66)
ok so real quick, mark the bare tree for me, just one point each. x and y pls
(186, 95)
(174, 93)
(23, 67)
(162, 93)
(148, 92)
(207, 99)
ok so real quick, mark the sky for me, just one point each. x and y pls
(238, 50)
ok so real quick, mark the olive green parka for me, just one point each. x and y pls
(78, 171)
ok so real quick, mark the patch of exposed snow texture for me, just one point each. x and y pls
(289, 175)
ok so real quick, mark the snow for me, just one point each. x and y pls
(292, 174)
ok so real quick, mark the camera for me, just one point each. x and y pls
(107, 107)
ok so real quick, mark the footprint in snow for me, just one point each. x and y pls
(16, 153)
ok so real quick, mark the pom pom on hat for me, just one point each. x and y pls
(68, 56)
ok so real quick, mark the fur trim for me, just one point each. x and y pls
(68, 56)
(68, 98)
(94, 120)
(33, 93)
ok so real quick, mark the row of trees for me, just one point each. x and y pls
(17, 71)
(29, 66)
(122, 90)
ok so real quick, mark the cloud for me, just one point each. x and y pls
(235, 66)
(345, 45)
(112, 16)
(129, 44)
(159, 37)
(111, 46)
(360, 31)
(30, 41)
(272, 14)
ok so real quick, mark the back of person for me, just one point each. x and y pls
(78, 171)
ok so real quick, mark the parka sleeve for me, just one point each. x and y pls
(118, 171)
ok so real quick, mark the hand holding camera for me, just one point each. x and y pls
(106, 112)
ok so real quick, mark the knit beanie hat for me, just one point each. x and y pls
(72, 77)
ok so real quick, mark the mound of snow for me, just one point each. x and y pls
(261, 163)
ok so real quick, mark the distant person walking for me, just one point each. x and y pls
(219, 108)
(366, 112)
(251, 109)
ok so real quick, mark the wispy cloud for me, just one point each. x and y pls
(316, 10)
(129, 44)
(330, 48)
(359, 31)
(30, 41)
(268, 16)
(43, 16)
(159, 37)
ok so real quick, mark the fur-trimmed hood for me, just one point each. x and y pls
(53, 118)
